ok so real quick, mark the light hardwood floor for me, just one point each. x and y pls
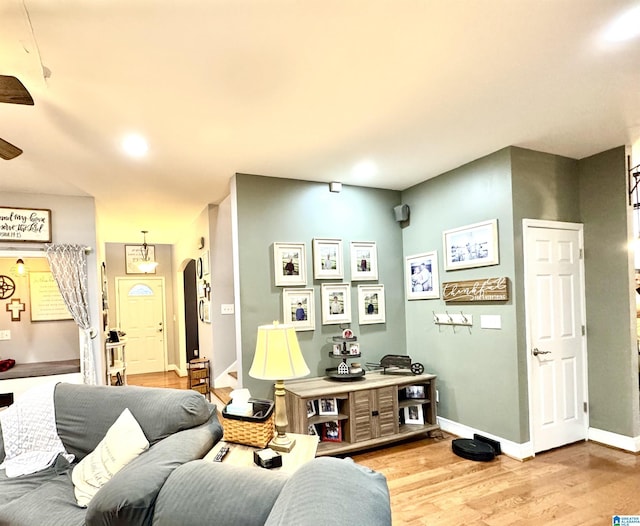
(582, 484)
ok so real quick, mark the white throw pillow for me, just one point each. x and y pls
(123, 442)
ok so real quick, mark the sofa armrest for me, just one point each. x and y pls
(206, 492)
(129, 497)
(333, 492)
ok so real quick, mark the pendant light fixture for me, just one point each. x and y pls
(146, 263)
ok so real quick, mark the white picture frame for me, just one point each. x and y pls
(471, 246)
(336, 303)
(371, 304)
(328, 260)
(413, 414)
(364, 261)
(311, 408)
(327, 406)
(298, 308)
(421, 276)
(289, 264)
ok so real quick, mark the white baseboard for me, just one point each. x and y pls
(509, 448)
(614, 440)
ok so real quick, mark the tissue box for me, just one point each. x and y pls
(255, 430)
(267, 458)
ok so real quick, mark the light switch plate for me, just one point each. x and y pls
(5, 335)
(226, 308)
(490, 321)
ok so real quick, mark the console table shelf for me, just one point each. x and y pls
(371, 410)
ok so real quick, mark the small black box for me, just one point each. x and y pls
(267, 458)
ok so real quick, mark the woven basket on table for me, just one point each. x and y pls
(250, 431)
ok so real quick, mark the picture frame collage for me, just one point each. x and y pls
(298, 300)
(465, 247)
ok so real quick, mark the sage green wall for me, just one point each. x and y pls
(478, 369)
(544, 187)
(283, 210)
(613, 360)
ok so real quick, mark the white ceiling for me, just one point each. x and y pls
(302, 89)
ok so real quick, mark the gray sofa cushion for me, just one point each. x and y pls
(44, 498)
(329, 491)
(203, 492)
(129, 497)
(83, 415)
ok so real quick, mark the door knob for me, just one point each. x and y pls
(536, 352)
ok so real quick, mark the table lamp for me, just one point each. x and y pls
(278, 357)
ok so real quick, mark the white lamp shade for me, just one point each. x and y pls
(278, 355)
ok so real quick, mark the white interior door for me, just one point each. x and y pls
(141, 316)
(554, 290)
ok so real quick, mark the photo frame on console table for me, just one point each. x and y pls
(471, 246)
(289, 264)
(28, 225)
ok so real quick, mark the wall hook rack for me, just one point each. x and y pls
(453, 319)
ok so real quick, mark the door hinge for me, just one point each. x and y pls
(585, 406)
(584, 330)
(582, 253)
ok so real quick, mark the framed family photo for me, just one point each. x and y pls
(364, 261)
(328, 406)
(413, 415)
(371, 308)
(327, 259)
(289, 264)
(421, 276)
(298, 308)
(471, 246)
(336, 303)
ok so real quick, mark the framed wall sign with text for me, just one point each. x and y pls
(31, 225)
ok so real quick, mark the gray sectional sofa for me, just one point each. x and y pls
(168, 485)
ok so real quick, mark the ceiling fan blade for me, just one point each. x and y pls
(8, 150)
(13, 91)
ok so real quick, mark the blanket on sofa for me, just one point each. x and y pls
(31, 440)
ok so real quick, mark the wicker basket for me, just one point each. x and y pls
(256, 431)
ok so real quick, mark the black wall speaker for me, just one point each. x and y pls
(401, 212)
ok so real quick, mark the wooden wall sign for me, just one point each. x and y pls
(25, 224)
(488, 289)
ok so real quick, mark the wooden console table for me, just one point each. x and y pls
(375, 410)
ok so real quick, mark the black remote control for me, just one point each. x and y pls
(221, 454)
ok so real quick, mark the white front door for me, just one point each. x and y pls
(554, 291)
(141, 316)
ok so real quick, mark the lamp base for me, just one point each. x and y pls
(282, 443)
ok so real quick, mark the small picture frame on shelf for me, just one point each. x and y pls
(311, 408)
(413, 415)
(332, 431)
(328, 406)
(337, 349)
(312, 430)
(414, 391)
(354, 348)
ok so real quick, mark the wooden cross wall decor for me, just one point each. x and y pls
(16, 307)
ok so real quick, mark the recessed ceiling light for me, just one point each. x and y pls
(135, 145)
(625, 27)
